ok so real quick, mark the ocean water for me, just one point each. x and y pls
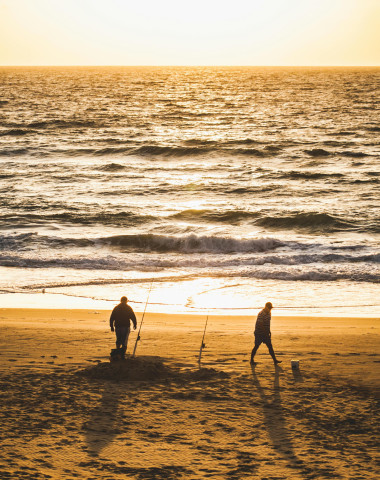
(217, 188)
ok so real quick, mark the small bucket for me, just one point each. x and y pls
(295, 364)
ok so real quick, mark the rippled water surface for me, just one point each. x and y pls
(227, 186)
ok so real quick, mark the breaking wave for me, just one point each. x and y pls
(170, 151)
(311, 221)
(149, 243)
(192, 243)
(228, 216)
(89, 147)
(243, 261)
(299, 272)
(122, 219)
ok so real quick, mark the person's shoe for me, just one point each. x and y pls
(276, 362)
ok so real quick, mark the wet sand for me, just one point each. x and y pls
(67, 413)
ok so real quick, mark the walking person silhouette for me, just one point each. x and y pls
(263, 333)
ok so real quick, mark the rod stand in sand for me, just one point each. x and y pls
(142, 319)
(203, 345)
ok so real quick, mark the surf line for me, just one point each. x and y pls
(283, 307)
(142, 319)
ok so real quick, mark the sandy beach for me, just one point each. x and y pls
(68, 413)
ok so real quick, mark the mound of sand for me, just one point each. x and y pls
(147, 369)
(130, 369)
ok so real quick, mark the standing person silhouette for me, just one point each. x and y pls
(121, 317)
(263, 333)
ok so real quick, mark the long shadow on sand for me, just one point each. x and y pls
(276, 425)
(105, 420)
(274, 418)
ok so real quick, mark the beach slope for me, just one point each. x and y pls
(66, 412)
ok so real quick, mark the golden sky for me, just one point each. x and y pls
(190, 32)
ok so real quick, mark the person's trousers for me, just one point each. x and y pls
(259, 339)
(122, 334)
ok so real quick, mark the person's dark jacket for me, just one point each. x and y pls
(262, 327)
(122, 315)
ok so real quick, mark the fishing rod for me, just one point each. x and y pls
(142, 319)
(203, 342)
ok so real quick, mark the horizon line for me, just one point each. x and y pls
(191, 65)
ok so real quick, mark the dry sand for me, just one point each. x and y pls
(67, 413)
